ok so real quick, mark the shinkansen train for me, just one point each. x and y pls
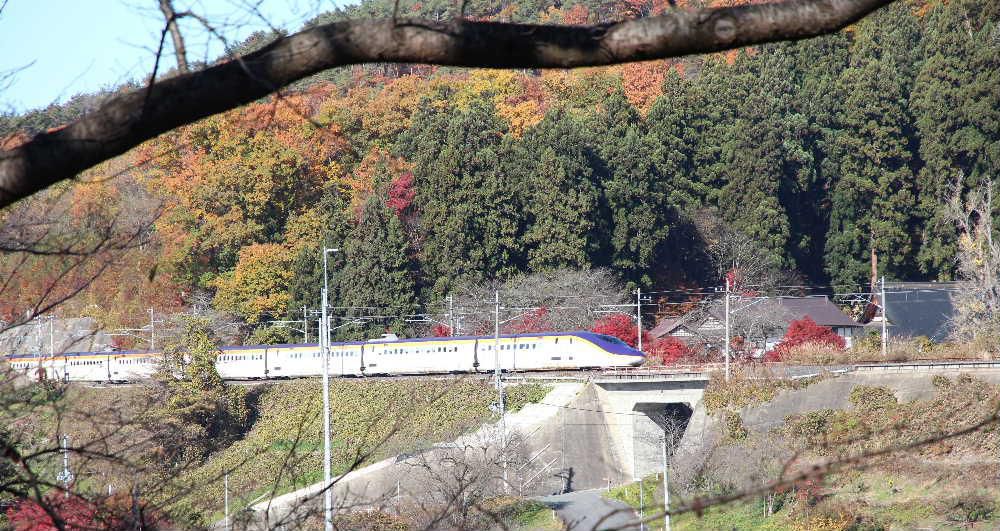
(385, 356)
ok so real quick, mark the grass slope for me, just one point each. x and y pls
(371, 420)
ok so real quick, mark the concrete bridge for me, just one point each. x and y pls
(581, 436)
(645, 411)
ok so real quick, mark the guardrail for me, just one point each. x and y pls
(906, 367)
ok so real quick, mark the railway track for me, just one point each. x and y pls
(682, 372)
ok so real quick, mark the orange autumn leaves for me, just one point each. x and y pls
(238, 193)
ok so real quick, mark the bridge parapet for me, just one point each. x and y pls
(654, 374)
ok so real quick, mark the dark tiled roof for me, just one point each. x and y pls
(665, 326)
(920, 309)
(819, 309)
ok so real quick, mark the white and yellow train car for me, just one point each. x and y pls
(387, 356)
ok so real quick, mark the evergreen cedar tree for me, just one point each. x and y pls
(816, 149)
(801, 332)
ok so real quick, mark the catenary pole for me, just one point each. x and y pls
(638, 318)
(727, 329)
(152, 331)
(66, 476)
(225, 482)
(325, 352)
(451, 315)
(498, 375)
(885, 321)
(666, 490)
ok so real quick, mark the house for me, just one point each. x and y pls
(762, 321)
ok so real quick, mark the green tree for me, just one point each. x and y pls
(307, 264)
(671, 129)
(765, 164)
(635, 192)
(377, 277)
(197, 411)
(813, 67)
(873, 200)
(470, 218)
(566, 224)
(956, 106)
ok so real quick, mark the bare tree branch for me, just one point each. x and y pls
(129, 119)
(167, 8)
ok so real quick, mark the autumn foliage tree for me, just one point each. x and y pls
(258, 286)
(535, 321)
(667, 350)
(805, 331)
(663, 351)
(621, 326)
(118, 512)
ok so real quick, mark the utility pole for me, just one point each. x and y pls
(635, 474)
(325, 352)
(638, 318)
(324, 332)
(885, 321)
(727, 329)
(66, 476)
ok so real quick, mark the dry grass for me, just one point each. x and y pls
(867, 351)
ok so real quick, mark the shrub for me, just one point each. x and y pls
(734, 426)
(970, 508)
(76, 513)
(872, 400)
(812, 425)
(270, 335)
(667, 350)
(814, 354)
(518, 396)
(804, 331)
(371, 520)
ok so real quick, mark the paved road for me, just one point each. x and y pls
(589, 510)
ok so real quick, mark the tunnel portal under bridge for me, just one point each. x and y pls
(643, 413)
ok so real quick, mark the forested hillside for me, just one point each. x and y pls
(429, 178)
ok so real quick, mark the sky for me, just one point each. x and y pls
(67, 47)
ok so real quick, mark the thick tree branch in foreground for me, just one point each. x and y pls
(127, 120)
